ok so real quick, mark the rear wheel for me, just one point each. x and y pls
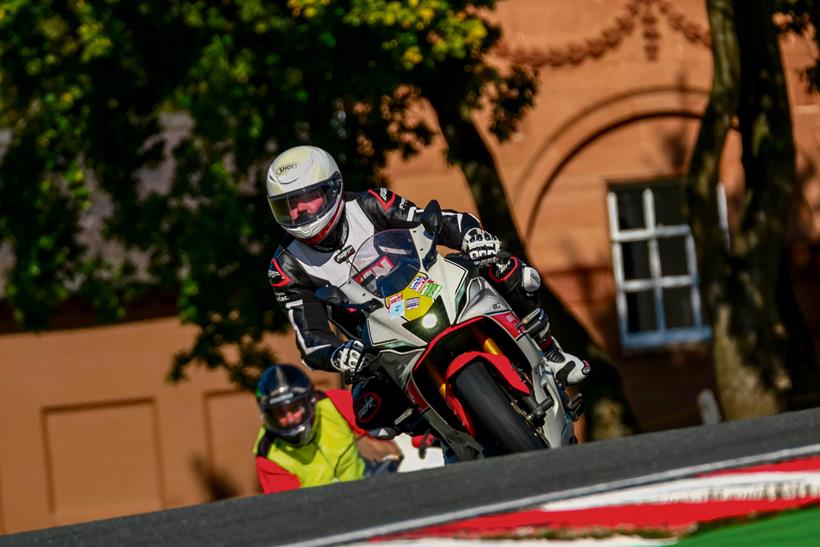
(488, 405)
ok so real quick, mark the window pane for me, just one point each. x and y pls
(677, 307)
(640, 311)
(635, 256)
(672, 251)
(630, 209)
(669, 204)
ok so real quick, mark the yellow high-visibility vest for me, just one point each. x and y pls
(330, 456)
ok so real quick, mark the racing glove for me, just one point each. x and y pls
(480, 246)
(349, 358)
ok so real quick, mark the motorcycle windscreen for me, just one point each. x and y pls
(386, 263)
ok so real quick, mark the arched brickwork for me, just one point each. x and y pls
(581, 129)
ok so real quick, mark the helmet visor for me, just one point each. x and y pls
(305, 205)
(288, 417)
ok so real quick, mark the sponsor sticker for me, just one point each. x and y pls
(431, 289)
(418, 282)
(413, 303)
(393, 299)
(397, 309)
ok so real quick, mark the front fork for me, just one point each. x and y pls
(535, 412)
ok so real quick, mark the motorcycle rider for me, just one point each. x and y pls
(309, 437)
(325, 226)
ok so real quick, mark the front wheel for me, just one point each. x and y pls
(488, 405)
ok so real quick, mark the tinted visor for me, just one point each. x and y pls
(307, 204)
(288, 416)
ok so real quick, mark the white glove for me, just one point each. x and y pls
(349, 358)
(480, 245)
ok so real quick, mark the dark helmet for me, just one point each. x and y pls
(287, 400)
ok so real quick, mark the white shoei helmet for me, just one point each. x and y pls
(305, 192)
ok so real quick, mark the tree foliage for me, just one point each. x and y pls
(87, 86)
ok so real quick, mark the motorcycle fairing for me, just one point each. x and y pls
(510, 322)
(458, 409)
(414, 393)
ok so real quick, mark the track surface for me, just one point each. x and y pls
(353, 511)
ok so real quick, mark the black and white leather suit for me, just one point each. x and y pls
(298, 269)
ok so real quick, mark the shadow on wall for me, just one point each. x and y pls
(217, 484)
(676, 144)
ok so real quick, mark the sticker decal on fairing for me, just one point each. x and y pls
(415, 300)
(431, 289)
(397, 309)
(418, 282)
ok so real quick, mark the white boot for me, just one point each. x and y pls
(567, 368)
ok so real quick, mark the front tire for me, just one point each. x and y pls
(488, 405)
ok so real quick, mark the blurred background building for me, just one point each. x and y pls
(89, 429)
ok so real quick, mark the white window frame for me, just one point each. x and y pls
(662, 336)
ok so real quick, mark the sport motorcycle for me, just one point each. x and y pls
(467, 367)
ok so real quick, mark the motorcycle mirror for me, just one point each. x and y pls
(431, 218)
(331, 295)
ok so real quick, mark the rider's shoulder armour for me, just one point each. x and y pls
(386, 209)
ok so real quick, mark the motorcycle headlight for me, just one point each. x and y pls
(431, 323)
